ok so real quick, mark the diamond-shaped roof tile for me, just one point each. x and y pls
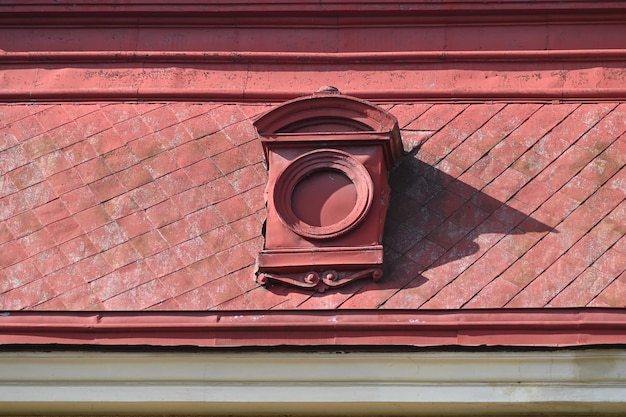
(124, 206)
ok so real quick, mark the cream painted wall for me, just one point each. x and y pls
(418, 383)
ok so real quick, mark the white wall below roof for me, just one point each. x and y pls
(417, 383)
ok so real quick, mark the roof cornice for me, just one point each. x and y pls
(230, 51)
(307, 12)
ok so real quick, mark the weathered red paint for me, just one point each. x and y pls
(160, 206)
(118, 206)
(311, 144)
(382, 51)
(392, 329)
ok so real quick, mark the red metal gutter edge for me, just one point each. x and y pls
(489, 327)
(352, 58)
(303, 12)
(310, 6)
(278, 96)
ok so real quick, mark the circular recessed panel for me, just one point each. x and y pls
(323, 198)
(323, 194)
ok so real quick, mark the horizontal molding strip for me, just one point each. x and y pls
(379, 6)
(274, 96)
(586, 382)
(583, 55)
(258, 82)
(523, 327)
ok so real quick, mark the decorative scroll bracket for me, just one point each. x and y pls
(321, 281)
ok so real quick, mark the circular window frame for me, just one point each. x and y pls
(312, 162)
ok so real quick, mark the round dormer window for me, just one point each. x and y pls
(323, 194)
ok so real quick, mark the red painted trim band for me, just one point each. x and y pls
(258, 82)
(379, 7)
(523, 327)
(241, 57)
(276, 96)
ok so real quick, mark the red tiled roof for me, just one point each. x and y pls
(129, 206)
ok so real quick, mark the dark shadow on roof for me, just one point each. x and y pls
(434, 219)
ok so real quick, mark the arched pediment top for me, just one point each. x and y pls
(328, 113)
